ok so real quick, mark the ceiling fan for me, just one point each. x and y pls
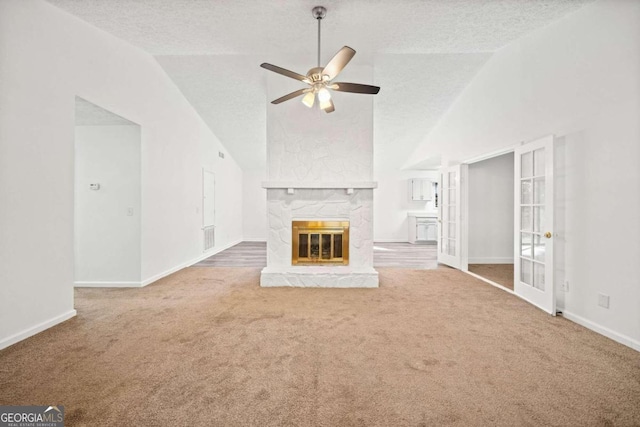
(320, 79)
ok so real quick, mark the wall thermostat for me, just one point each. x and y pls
(94, 187)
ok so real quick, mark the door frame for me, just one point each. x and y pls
(490, 155)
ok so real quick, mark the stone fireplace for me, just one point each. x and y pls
(290, 207)
(319, 171)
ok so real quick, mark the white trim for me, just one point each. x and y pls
(602, 330)
(107, 285)
(152, 279)
(491, 260)
(491, 282)
(390, 241)
(492, 154)
(206, 171)
(206, 255)
(423, 214)
(6, 342)
(254, 239)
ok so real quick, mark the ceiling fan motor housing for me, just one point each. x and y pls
(319, 12)
(315, 74)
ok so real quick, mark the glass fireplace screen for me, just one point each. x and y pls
(320, 242)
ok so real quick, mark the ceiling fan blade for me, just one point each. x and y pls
(338, 62)
(331, 108)
(284, 72)
(355, 88)
(290, 96)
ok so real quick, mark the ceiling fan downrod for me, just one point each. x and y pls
(319, 12)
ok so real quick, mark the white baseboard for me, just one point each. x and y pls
(254, 239)
(602, 330)
(622, 339)
(489, 260)
(205, 255)
(6, 342)
(390, 241)
(107, 284)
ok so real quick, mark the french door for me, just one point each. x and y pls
(533, 233)
(452, 230)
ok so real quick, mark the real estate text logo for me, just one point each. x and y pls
(31, 416)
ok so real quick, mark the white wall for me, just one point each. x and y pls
(107, 238)
(47, 57)
(392, 202)
(577, 79)
(309, 145)
(491, 210)
(254, 206)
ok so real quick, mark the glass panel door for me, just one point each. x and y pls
(451, 228)
(533, 266)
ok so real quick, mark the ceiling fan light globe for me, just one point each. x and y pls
(309, 99)
(324, 96)
(325, 104)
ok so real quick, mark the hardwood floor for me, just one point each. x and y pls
(405, 255)
(244, 254)
(399, 255)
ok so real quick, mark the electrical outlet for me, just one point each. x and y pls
(129, 211)
(565, 286)
(603, 300)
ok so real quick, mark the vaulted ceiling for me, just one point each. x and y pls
(423, 53)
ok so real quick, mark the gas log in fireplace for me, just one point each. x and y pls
(320, 242)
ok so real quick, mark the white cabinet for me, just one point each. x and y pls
(432, 231)
(423, 228)
(421, 189)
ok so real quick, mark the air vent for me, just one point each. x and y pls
(209, 237)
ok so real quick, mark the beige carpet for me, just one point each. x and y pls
(208, 347)
(501, 274)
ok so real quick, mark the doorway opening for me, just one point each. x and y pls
(491, 219)
(107, 198)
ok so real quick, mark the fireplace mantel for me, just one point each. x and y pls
(320, 185)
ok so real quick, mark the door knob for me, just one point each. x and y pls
(547, 234)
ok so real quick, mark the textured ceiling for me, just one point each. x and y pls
(89, 114)
(424, 52)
